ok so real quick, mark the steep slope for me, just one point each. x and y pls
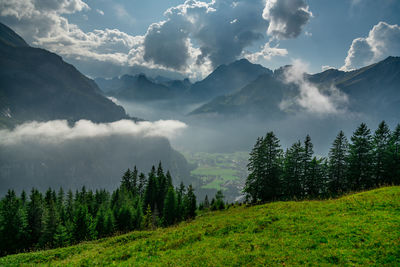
(260, 96)
(136, 88)
(377, 86)
(38, 85)
(355, 230)
(226, 79)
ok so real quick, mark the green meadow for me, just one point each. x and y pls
(360, 229)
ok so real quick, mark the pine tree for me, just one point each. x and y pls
(169, 179)
(148, 219)
(219, 201)
(293, 171)
(35, 212)
(150, 194)
(134, 181)
(161, 189)
(126, 180)
(50, 224)
(338, 156)
(83, 228)
(393, 158)
(142, 184)
(180, 194)
(255, 166)
(381, 141)
(12, 224)
(189, 203)
(306, 179)
(360, 159)
(170, 207)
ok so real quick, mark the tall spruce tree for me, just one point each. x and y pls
(338, 156)
(170, 206)
(293, 171)
(189, 202)
(381, 140)
(150, 194)
(255, 167)
(360, 159)
(35, 217)
(12, 224)
(307, 179)
(265, 166)
(393, 158)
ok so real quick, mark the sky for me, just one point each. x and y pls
(105, 38)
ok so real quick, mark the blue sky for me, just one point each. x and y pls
(197, 36)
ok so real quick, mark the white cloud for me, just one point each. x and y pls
(101, 12)
(123, 15)
(310, 98)
(59, 130)
(382, 41)
(326, 67)
(194, 38)
(286, 17)
(267, 52)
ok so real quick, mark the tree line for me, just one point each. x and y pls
(53, 219)
(369, 160)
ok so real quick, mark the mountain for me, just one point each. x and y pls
(377, 85)
(260, 96)
(227, 79)
(36, 84)
(137, 88)
(354, 230)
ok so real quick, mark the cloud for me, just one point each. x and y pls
(382, 41)
(101, 12)
(194, 38)
(123, 15)
(266, 53)
(220, 30)
(58, 130)
(310, 98)
(286, 17)
(326, 67)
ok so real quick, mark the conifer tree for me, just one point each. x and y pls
(206, 203)
(83, 228)
(360, 159)
(126, 180)
(35, 212)
(50, 224)
(142, 184)
(148, 219)
(306, 179)
(381, 141)
(393, 158)
(170, 206)
(189, 203)
(293, 171)
(150, 194)
(134, 181)
(338, 156)
(12, 224)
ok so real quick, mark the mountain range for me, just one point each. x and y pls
(36, 84)
(242, 88)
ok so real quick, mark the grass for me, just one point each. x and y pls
(224, 171)
(360, 229)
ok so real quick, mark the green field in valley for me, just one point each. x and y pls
(362, 229)
(220, 171)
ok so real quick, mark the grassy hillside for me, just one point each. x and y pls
(360, 229)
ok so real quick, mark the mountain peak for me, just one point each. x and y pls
(10, 38)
